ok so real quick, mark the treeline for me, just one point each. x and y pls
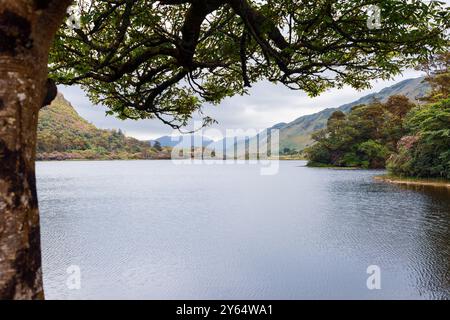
(64, 135)
(408, 139)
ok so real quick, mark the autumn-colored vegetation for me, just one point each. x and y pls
(425, 150)
(64, 135)
(363, 138)
(409, 140)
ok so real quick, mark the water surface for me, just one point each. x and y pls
(155, 230)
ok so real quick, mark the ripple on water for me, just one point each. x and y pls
(151, 229)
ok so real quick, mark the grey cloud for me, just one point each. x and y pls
(265, 105)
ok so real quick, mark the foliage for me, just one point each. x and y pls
(298, 133)
(157, 146)
(426, 152)
(289, 152)
(63, 134)
(412, 141)
(363, 138)
(165, 59)
(437, 68)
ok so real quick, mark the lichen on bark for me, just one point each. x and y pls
(27, 29)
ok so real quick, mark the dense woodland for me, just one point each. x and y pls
(408, 139)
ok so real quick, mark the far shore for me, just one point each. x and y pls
(316, 165)
(414, 181)
(150, 159)
(76, 160)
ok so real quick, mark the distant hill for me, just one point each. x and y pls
(297, 134)
(185, 141)
(63, 134)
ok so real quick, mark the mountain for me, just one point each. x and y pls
(63, 134)
(297, 134)
(185, 141)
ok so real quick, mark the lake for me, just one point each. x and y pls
(157, 230)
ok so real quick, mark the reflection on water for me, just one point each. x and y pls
(151, 229)
(436, 250)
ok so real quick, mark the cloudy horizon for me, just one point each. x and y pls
(265, 105)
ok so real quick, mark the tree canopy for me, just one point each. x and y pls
(410, 140)
(424, 151)
(363, 138)
(165, 59)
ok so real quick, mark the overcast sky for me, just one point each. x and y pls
(265, 105)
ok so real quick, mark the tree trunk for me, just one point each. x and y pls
(27, 28)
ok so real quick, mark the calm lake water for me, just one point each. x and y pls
(155, 230)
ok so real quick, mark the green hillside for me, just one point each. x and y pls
(297, 134)
(63, 134)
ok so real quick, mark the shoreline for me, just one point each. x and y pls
(326, 166)
(152, 159)
(79, 160)
(413, 181)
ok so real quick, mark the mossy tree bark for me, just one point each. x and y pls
(27, 28)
